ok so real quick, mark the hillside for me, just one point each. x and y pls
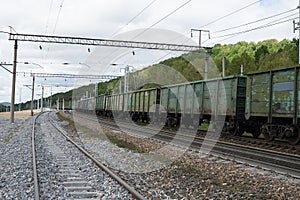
(261, 56)
(264, 55)
(5, 104)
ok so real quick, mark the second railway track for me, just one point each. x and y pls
(281, 162)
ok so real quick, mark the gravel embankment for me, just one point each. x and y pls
(16, 176)
(192, 176)
(52, 145)
(16, 180)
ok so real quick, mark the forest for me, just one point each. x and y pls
(255, 57)
(260, 56)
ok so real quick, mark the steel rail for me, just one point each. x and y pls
(34, 164)
(189, 135)
(275, 162)
(255, 155)
(134, 193)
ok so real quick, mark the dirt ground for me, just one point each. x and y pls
(18, 114)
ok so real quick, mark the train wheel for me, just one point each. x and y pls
(254, 129)
(238, 131)
(267, 134)
(256, 134)
(295, 135)
(135, 117)
(195, 123)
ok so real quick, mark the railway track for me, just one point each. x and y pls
(267, 158)
(280, 146)
(68, 176)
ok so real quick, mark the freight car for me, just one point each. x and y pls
(139, 105)
(264, 102)
(221, 98)
(272, 106)
(192, 102)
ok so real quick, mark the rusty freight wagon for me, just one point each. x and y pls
(142, 104)
(100, 104)
(201, 100)
(273, 106)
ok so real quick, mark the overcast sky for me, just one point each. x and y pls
(107, 19)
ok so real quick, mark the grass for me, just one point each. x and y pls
(79, 127)
(231, 190)
(10, 136)
(184, 168)
(92, 133)
(124, 144)
(62, 118)
(6, 139)
(204, 126)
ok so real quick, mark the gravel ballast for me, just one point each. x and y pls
(193, 176)
(16, 180)
(53, 177)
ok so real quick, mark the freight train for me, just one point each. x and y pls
(264, 103)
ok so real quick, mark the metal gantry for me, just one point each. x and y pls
(45, 75)
(101, 42)
(6, 64)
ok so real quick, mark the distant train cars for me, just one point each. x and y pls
(265, 103)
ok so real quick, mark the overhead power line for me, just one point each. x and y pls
(260, 27)
(165, 17)
(227, 15)
(131, 20)
(48, 18)
(232, 35)
(218, 19)
(58, 15)
(253, 22)
(236, 11)
(55, 25)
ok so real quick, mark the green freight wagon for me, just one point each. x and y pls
(85, 105)
(115, 103)
(273, 104)
(142, 104)
(194, 102)
(100, 104)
